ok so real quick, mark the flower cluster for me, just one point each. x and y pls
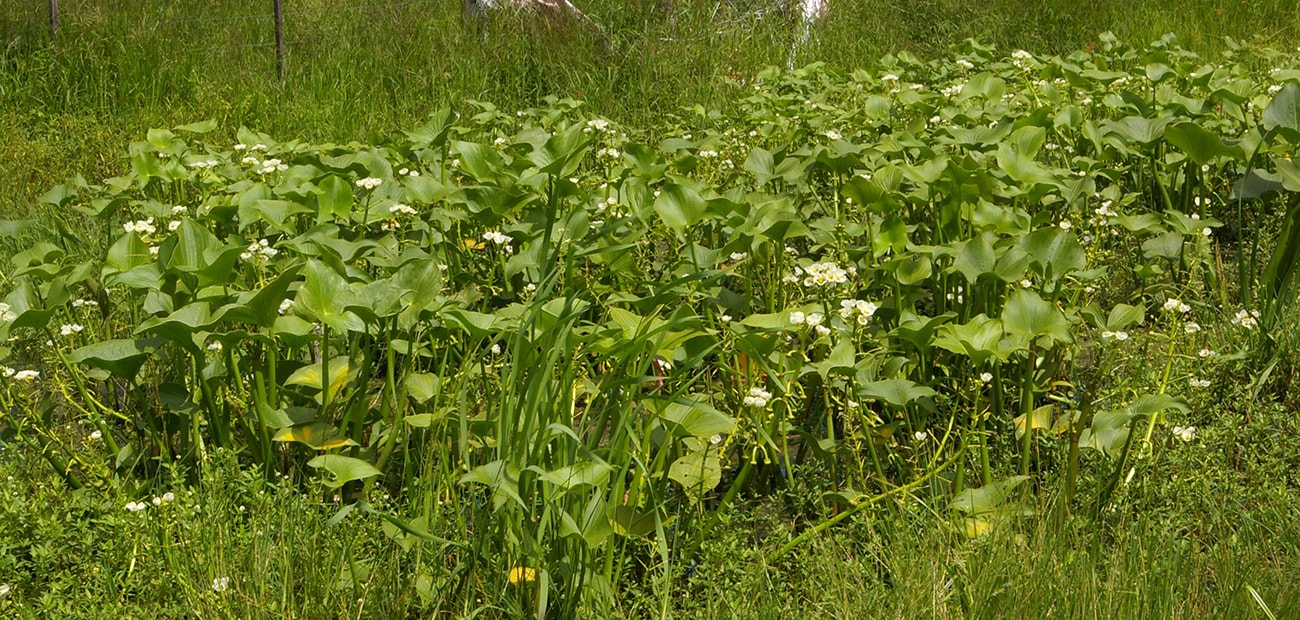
(369, 182)
(1021, 58)
(497, 237)
(757, 397)
(70, 329)
(858, 310)
(1185, 433)
(1116, 335)
(1176, 305)
(821, 274)
(813, 320)
(144, 227)
(401, 209)
(271, 165)
(259, 250)
(1248, 320)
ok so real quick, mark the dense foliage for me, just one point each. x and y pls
(573, 353)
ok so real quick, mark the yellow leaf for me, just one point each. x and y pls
(317, 435)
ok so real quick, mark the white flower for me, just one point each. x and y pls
(1207, 232)
(402, 209)
(97, 435)
(272, 165)
(965, 64)
(259, 250)
(1175, 305)
(1116, 335)
(496, 349)
(797, 318)
(250, 160)
(986, 377)
(173, 225)
(824, 274)
(813, 320)
(497, 237)
(286, 306)
(889, 77)
(240, 147)
(822, 330)
(26, 375)
(725, 318)
(1065, 224)
(833, 135)
(1207, 353)
(757, 397)
(141, 226)
(1198, 383)
(70, 329)
(1021, 55)
(1192, 327)
(215, 346)
(368, 182)
(169, 497)
(6, 313)
(863, 310)
(136, 506)
(598, 124)
(1185, 433)
(920, 435)
(180, 210)
(739, 256)
(1248, 320)
(220, 584)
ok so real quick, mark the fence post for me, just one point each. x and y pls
(54, 22)
(279, 38)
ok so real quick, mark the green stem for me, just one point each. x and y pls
(824, 525)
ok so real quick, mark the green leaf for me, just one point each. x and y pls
(568, 477)
(344, 469)
(1283, 114)
(324, 295)
(1029, 316)
(976, 257)
(501, 477)
(896, 392)
(697, 472)
(122, 358)
(978, 339)
(695, 419)
(421, 386)
(1055, 252)
(1110, 429)
(334, 200)
(197, 128)
(1199, 144)
(679, 206)
(988, 498)
(1124, 316)
(1168, 246)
